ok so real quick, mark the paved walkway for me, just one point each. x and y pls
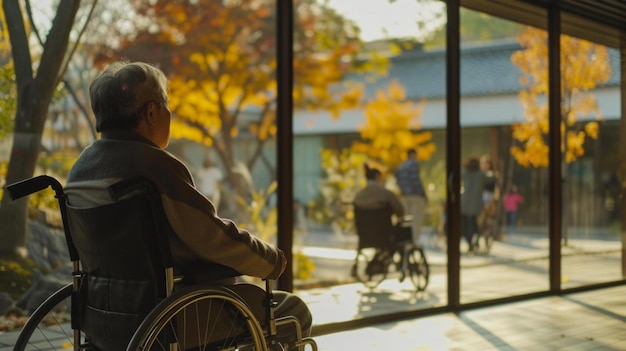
(594, 320)
(517, 265)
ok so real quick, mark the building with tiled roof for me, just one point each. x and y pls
(489, 84)
(486, 73)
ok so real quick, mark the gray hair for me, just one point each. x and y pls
(121, 93)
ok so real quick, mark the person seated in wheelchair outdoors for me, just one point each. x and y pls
(375, 196)
(130, 103)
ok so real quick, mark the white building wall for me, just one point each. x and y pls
(476, 111)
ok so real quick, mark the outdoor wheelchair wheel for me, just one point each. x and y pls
(49, 326)
(370, 267)
(200, 318)
(419, 271)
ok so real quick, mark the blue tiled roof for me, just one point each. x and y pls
(485, 70)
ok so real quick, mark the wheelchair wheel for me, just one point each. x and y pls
(370, 268)
(419, 271)
(200, 318)
(49, 326)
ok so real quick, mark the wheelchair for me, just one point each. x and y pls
(385, 248)
(141, 303)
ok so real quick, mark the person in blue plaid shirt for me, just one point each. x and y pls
(413, 192)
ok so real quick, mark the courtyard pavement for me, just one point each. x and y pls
(517, 264)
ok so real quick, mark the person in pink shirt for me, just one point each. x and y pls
(512, 200)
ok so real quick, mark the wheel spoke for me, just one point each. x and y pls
(49, 326)
(205, 319)
(370, 267)
(418, 269)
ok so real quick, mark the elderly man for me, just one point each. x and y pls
(130, 103)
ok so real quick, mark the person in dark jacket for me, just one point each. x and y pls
(374, 195)
(473, 180)
(130, 103)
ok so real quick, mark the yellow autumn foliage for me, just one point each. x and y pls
(584, 66)
(343, 178)
(389, 128)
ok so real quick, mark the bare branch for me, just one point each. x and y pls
(82, 108)
(29, 11)
(68, 57)
(56, 45)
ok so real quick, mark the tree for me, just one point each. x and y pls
(220, 57)
(388, 132)
(344, 178)
(584, 66)
(476, 27)
(35, 88)
(8, 100)
(389, 128)
(71, 124)
(7, 82)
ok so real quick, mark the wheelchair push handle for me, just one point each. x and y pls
(32, 185)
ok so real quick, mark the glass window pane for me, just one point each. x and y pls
(504, 154)
(591, 134)
(384, 96)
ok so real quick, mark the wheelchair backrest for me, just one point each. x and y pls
(118, 240)
(124, 253)
(374, 227)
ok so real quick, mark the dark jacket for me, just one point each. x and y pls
(201, 235)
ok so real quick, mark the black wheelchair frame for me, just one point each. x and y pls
(170, 324)
(386, 248)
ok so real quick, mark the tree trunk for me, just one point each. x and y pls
(34, 92)
(24, 152)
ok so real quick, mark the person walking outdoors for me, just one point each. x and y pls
(487, 221)
(471, 201)
(512, 200)
(412, 191)
(491, 182)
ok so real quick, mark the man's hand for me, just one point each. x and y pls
(280, 266)
(283, 262)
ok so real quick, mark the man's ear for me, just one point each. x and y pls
(151, 112)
